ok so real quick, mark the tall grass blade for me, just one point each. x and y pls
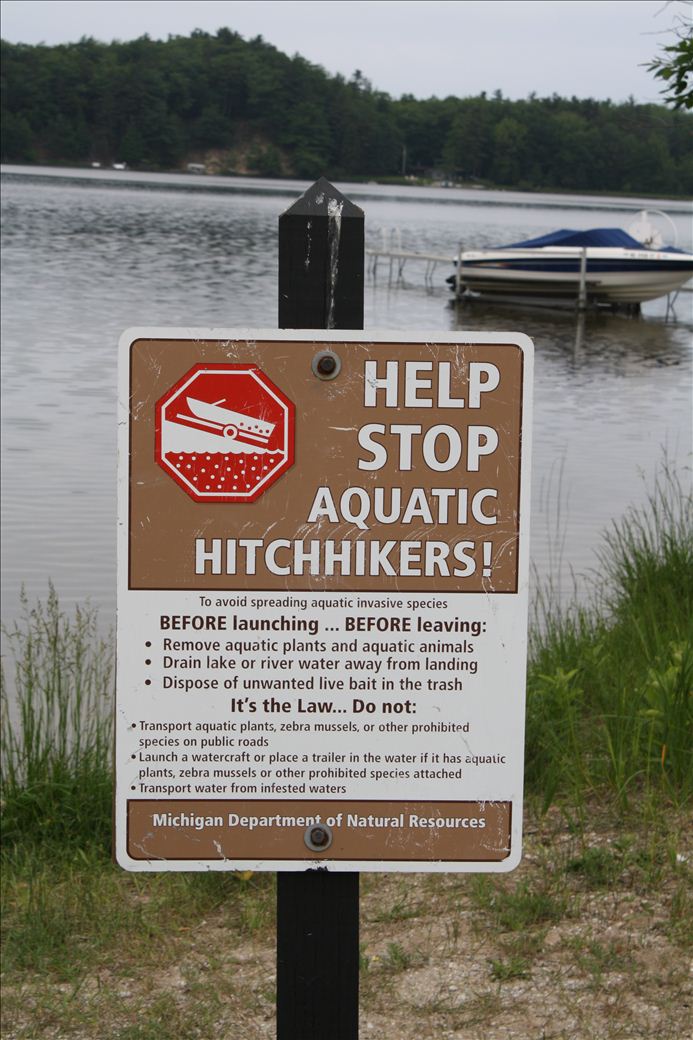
(56, 727)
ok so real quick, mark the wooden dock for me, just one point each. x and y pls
(390, 250)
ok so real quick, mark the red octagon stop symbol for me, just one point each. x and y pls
(225, 433)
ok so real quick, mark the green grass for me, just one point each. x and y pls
(401, 910)
(679, 926)
(520, 908)
(609, 707)
(56, 733)
(597, 866)
(502, 970)
(68, 914)
(396, 958)
(65, 905)
(598, 958)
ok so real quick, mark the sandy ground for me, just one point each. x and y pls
(586, 939)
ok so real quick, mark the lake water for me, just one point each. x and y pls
(87, 254)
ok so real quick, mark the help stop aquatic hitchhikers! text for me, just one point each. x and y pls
(459, 448)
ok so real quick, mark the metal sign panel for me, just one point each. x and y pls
(322, 616)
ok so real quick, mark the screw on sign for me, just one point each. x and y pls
(225, 433)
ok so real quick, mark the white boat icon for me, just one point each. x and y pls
(224, 422)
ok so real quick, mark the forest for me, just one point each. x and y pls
(239, 106)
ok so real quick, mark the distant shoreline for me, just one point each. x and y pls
(421, 191)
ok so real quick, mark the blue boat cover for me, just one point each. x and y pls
(609, 237)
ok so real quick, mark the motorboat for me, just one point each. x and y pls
(225, 422)
(601, 266)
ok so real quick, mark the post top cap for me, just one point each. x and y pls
(319, 200)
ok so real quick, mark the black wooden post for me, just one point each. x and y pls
(321, 250)
(321, 262)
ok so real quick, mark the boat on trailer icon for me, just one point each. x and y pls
(224, 422)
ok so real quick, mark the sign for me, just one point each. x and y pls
(224, 433)
(322, 614)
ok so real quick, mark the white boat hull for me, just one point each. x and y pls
(228, 423)
(611, 275)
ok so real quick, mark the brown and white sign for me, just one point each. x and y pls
(322, 600)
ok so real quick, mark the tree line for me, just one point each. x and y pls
(249, 108)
